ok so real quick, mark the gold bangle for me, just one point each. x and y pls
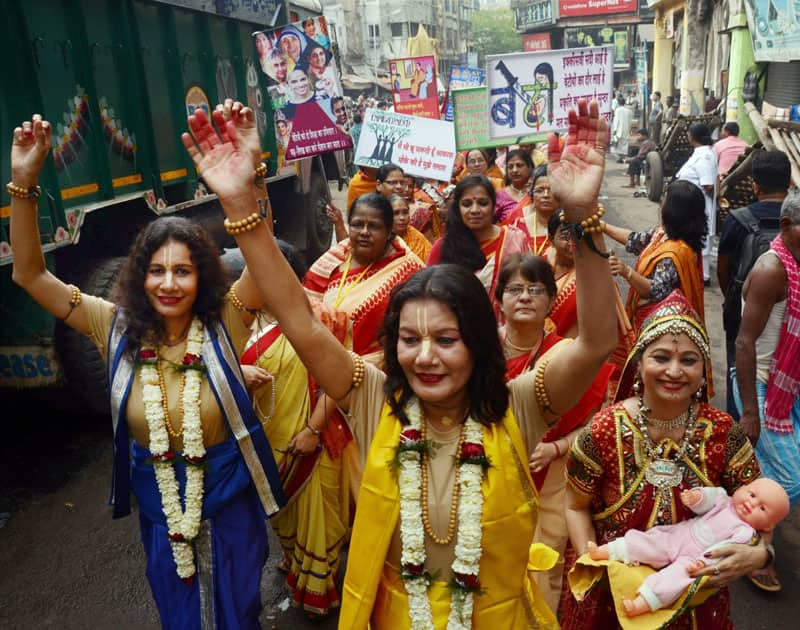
(235, 300)
(358, 370)
(247, 224)
(539, 389)
(261, 171)
(75, 298)
(20, 192)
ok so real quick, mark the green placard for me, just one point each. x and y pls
(472, 125)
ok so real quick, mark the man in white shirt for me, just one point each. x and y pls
(701, 170)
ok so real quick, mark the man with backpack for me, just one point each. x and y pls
(746, 234)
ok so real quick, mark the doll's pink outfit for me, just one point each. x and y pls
(676, 547)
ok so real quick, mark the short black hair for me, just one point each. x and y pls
(657, 93)
(732, 128)
(644, 132)
(385, 169)
(701, 133)
(771, 171)
(683, 214)
(554, 224)
(378, 202)
(531, 267)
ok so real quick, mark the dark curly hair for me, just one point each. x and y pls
(459, 245)
(459, 290)
(683, 214)
(522, 155)
(128, 292)
(531, 267)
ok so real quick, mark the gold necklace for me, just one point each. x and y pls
(453, 519)
(507, 341)
(162, 384)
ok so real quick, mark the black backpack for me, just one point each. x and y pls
(760, 234)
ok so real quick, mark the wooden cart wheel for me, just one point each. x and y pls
(655, 176)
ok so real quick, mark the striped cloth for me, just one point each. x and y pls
(784, 373)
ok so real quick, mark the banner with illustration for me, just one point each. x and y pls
(302, 83)
(422, 147)
(775, 28)
(472, 126)
(414, 86)
(618, 36)
(532, 92)
(461, 77)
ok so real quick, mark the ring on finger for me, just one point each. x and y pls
(716, 570)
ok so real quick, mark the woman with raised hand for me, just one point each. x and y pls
(186, 440)
(444, 382)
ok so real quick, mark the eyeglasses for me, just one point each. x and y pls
(534, 290)
(541, 190)
(371, 226)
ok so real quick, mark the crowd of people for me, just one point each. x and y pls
(456, 388)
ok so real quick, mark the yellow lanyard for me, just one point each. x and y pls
(538, 251)
(341, 296)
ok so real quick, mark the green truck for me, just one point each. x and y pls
(117, 78)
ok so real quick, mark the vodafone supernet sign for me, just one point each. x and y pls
(575, 8)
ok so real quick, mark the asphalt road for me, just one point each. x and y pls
(65, 564)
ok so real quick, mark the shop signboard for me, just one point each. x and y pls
(423, 147)
(582, 8)
(775, 29)
(616, 35)
(532, 42)
(532, 92)
(534, 14)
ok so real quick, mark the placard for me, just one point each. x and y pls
(423, 147)
(461, 77)
(533, 92)
(472, 125)
(414, 86)
(304, 88)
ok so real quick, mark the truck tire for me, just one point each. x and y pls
(320, 228)
(84, 368)
(655, 176)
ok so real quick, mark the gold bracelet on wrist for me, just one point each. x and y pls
(358, 370)
(235, 300)
(75, 298)
(20, 192)
(247, 224)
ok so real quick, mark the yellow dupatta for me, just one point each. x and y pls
(373, 596)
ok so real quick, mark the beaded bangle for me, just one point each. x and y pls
(539, 389)
(237, 301)
(75, 298)
(243, 225)
(358, 370)
(261, 171)
(20, 192)
(586, 228)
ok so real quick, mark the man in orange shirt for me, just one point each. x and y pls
(363, 182)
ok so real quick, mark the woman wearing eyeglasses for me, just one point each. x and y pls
(482, 162)
(533, 217)
(526, 291)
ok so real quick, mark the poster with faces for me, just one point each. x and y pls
(310, 117)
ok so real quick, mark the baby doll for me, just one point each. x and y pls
(677, 549)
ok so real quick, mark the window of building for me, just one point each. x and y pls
(398, 29)
(374, 31)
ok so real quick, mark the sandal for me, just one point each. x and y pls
(766, 580)
(284, 566)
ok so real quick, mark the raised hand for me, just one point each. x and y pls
(29, 149)
(575, 174)
(223, 159)
(243, 118)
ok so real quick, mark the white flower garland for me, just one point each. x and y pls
(468, 550)
(183, 525)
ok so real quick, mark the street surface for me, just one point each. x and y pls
(65, 564)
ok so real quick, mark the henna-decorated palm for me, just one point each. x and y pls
(244, 120)
(29, 149)
(224, 159)
(575, 174)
